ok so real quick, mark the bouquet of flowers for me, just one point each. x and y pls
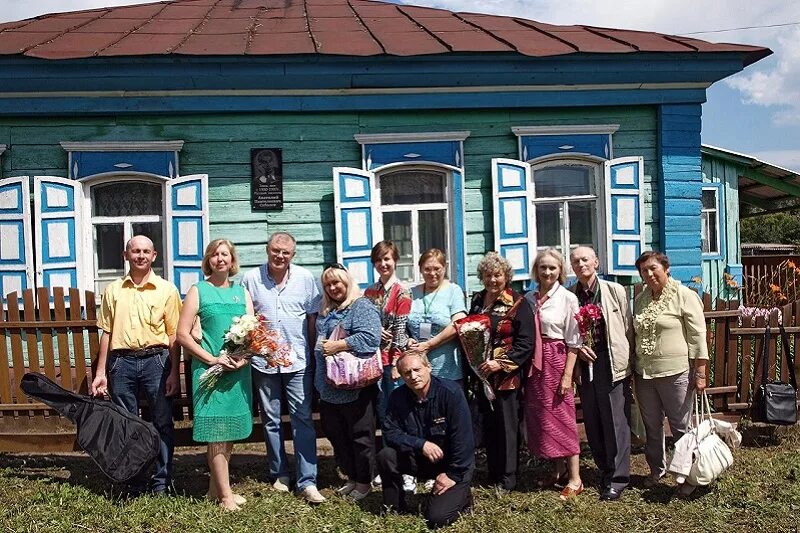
(587, 318)
(475, 335)
(248, 336)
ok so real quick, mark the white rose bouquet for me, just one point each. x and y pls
(248, 336)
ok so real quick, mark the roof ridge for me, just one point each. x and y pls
(308, 27)
(252, 29)
(459, 16)
(197, 26)
(531, 24)
(109, 45)
(426, 30)
(361, 21)
(599, 33)
(63, 32)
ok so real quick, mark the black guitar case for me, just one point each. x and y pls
(122, 444)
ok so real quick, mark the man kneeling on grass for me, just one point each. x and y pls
(428, 433)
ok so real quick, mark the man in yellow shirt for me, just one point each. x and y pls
(138, 352)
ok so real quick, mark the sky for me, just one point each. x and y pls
(756, 112)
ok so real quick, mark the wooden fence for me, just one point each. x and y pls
(759, 271)
(59, 337)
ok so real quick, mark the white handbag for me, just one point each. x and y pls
(711, 456)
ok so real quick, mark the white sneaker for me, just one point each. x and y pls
(377, 482)
(346, 489)
(429, 483)
(281, 484)
(409, 484)
(312, 495)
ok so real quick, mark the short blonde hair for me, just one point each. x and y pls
(555, 254)
(338, 273)
(211, 248)
(494, 262)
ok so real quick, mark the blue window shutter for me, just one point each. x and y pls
(187, 229)
(457, 208)
(514, 218)
(356, 227)
(16, 250)
(624, 182)
(57, 204)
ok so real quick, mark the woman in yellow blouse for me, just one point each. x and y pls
(671, 355)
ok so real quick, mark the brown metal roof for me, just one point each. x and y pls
(340, 27)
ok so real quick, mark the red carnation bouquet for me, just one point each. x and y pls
(587, 318)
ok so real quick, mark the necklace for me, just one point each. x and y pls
(645, 322)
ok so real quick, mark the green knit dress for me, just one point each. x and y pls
(222, 413)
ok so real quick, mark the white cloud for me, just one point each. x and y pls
(777, 87)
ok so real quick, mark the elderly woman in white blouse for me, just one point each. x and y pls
(549, 399)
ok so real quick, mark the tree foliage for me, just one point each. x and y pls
(778, 228)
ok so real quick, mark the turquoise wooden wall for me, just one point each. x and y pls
(716, 170)
(312, 144)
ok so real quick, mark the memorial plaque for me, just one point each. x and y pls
(266, 186)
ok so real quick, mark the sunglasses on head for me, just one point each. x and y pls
(337, 266)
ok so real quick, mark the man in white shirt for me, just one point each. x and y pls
(288, 296)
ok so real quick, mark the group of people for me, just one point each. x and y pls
(434, 406)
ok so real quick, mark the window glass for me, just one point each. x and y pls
(582, 224)
(431, 229)
(709, 198)
(413, 187)
(416, 215)
(548, 225)
(126, 198)
(708, 232)
(397, 228)
(564, 180)
(152, 230)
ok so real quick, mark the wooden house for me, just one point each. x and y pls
(464, 131)
(737, 186)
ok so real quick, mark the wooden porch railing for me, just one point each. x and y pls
(58, 336)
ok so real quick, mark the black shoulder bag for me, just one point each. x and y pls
(775, 402)
(122, 444)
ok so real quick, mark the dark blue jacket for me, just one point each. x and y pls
(443, 418)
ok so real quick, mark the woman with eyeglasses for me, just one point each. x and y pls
(436, 304)
(348, 416)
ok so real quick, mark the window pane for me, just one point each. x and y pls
(708, 234)
(413, 187)
(564, 180)
(126, 198)
(433, 230)
(397, 228)
(109, 243)
(582, 224)
(154, 232)
(548, 226)
(709, 198)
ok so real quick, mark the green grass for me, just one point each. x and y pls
(52, 493)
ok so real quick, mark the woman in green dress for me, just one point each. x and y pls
(223, 412)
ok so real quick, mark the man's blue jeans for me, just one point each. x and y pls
(297, 387)
(128, 378)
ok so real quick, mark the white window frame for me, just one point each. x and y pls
(717, 210)
(415, 209)
(587, 161)
(89, 279)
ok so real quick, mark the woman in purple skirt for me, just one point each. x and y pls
(549, 399)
